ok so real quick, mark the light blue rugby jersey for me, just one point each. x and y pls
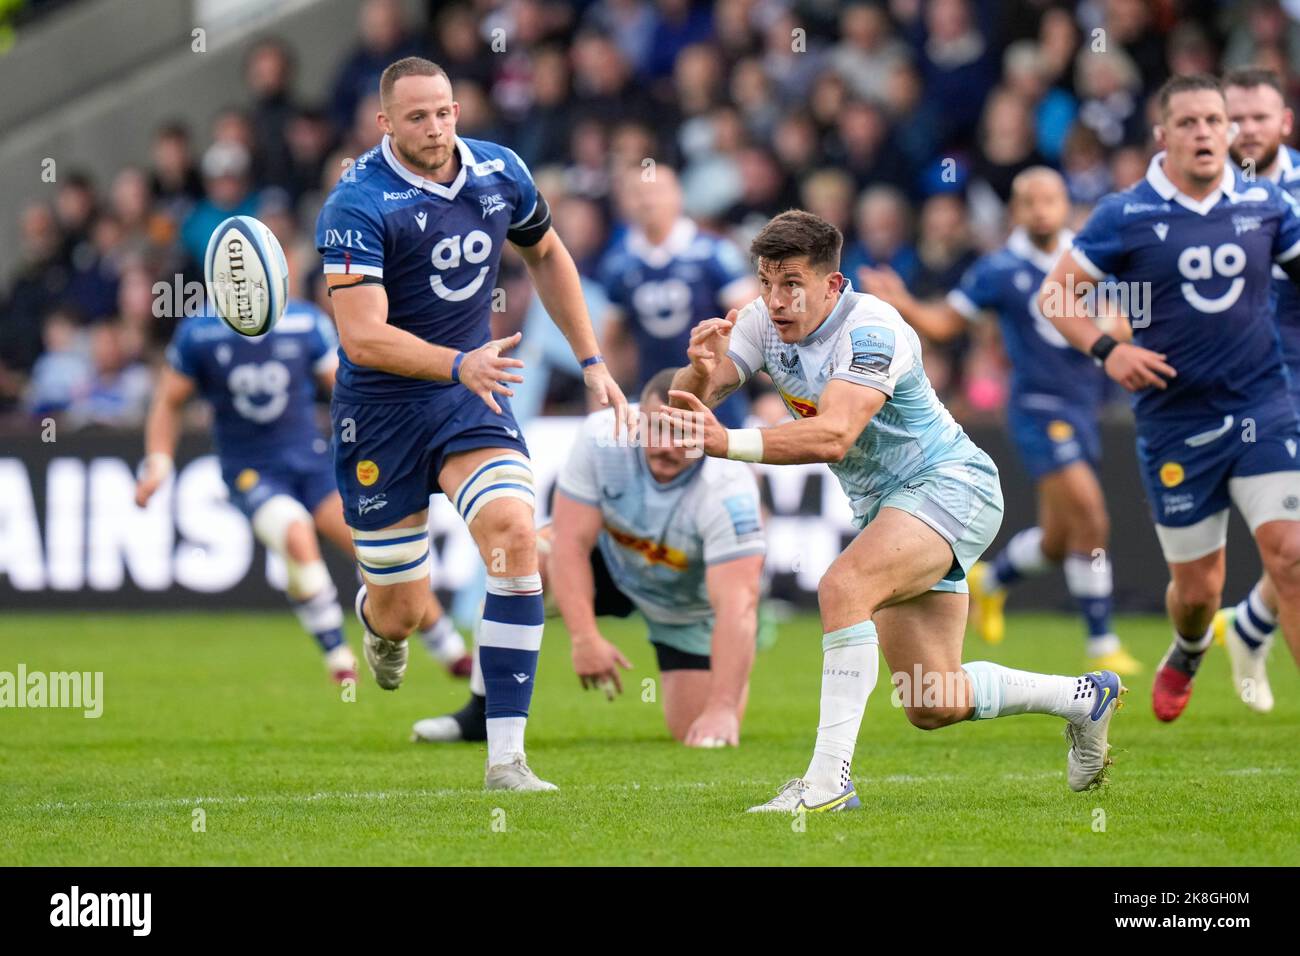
(865, 341)
(658, 539)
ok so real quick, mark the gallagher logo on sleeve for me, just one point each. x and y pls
(873, 350)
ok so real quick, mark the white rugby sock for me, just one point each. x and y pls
(850, 664)
(443, 641)
(1000, 692)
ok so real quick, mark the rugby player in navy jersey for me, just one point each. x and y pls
(664, 275)
(274, 460)
(412, 239)
(1215, 421)
(1259, 111)
(1056, 397)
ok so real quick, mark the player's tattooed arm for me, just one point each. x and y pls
(559, 287)
(161, 431)
(575, 526)
(711, 375)
(1063, 299)
(844, 411)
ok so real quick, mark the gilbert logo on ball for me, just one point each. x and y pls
(247, 275)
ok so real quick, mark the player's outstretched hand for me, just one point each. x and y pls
(484, 371)
(709, 343)
(883, 283)
(715, 727)
(694, 426)
(607, 393)
(596, 662)
(1137, 368)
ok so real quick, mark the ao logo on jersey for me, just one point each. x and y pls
(474, 248)
(1200, 262)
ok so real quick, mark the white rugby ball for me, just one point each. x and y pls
(247, 275)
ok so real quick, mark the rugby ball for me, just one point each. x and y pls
(246, 275)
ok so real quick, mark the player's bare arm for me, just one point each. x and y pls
(1060, 302)
(361, 313)
(937, 321)
(710, 376)
(161, 431)
(845, 410)
(733, 593)
(559, 287)
(576, 527)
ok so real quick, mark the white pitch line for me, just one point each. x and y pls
(381, 795)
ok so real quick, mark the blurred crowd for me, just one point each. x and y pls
(901, 121)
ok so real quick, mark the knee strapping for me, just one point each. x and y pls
(506, 476)
(393, 555)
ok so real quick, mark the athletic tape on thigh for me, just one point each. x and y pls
(506, 476)
(1274, 496)
(394, 555)
(1181, 545)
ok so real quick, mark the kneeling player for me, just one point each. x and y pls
(926, 498)
(678, 539)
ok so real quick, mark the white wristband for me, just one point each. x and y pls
(159, 460)
(745, 444)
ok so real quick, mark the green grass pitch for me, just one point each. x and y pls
(233, 714)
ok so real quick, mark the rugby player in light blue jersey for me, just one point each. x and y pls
(926, 498)
(1257, 107)
(1215, 421)
(1052, 414)
(644, 527)
(412, 239)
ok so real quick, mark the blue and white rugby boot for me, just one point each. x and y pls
(1089, 754)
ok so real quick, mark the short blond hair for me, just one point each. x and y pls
(407, 66)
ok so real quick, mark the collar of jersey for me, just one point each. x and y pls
(1284, 170)
(1167, 190)
(438, 189)
(832, 321)
(1020, 245)
(678, 240)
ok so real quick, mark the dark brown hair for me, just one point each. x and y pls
(799, 233)
(1185, 84)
